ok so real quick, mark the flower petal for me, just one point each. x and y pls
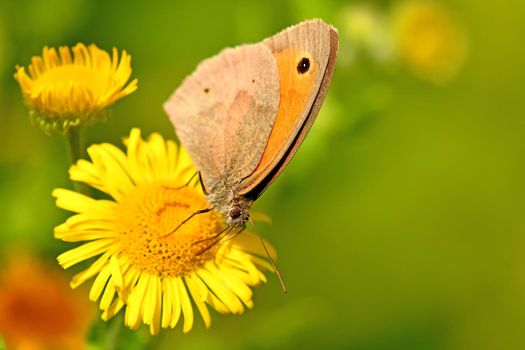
(187, 309)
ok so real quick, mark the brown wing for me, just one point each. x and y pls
(223, 113)
(305, 55)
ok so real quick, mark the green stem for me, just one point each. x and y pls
(74, 139)
(114, 333)
(156, 341)
(75, 146)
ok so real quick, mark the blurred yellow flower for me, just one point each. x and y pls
(72, 86)
(140, 265)
(366, 28)
(37, 309)
(429, 40)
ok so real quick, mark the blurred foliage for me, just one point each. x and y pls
(400, 222)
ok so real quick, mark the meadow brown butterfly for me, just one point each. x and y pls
(243, 114)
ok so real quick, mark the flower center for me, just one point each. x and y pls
(96, 81)
(146, 219)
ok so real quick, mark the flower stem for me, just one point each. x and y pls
(156, 341)
(75, 146)
(114, 333)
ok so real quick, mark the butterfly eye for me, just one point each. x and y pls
(304, 65)
(234, 212)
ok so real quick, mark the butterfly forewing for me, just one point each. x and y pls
(223, 113)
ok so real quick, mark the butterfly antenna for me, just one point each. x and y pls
(202, 211)
(274, 265)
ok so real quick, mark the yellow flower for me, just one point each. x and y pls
(72, 86)
(155, 275)
(37, 309)
(428, 40)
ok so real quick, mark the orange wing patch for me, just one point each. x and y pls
(296, 85)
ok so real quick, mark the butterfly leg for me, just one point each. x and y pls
(202, 184)
(235, 234)
(186, 184)
(227, 228)
(218, 237)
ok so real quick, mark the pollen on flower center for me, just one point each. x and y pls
(147, 215)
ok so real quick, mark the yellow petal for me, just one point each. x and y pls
(156, 147)
(199, 301)
(64, 233)
(116, 273)
(99, 284)
(224, 293)
(234, 284)
(114, 308)
(73, 201)
(131, 277)
(135, 307)
(150, 300)
(187, 309)
(211, 299)
(109, 294)
(173, 288)
(84, 252)
(167, 303)
(261, 217)
(91, 271)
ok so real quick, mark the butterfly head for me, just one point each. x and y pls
(237, 215)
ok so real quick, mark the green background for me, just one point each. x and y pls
(400, 222)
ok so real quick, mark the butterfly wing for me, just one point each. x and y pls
(223, 113)
(305, 55)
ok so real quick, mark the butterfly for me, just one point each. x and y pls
(243, 113)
